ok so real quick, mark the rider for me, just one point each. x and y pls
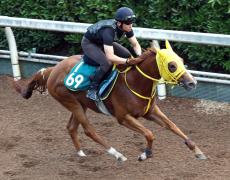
(101, 49)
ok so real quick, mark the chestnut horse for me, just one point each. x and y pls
(133, 96)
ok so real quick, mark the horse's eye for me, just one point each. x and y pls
(172, 66)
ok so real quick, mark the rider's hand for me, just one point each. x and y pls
(133, 61)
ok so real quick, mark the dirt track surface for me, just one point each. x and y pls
(35, 145)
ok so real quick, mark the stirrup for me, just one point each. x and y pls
(92, 94)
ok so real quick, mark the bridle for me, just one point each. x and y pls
(174, 81)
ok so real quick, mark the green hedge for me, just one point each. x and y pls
(208, 16)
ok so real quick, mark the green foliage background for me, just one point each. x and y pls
(208, 16)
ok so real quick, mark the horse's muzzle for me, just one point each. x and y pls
(189, 85)
(188, 81)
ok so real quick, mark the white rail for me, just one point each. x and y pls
(212, 80)
(144, 33)
(51, 59)
(210, 74)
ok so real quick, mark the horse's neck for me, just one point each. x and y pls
(149, 67)
(139, 82)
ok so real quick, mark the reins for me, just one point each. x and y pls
(153, 91)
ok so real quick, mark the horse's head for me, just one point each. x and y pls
(172, 69)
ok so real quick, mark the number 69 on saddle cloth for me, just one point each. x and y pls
(79, 79)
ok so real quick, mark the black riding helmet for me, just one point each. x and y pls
(125, 15)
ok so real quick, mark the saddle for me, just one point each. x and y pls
(78, 79)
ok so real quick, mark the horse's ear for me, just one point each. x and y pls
(168, 46)
(157, 49)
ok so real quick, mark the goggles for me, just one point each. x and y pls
(129, 19)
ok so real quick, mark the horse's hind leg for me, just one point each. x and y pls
(157, 115)
(72, 127)
(79, 117)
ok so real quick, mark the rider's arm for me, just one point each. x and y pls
(108, 38)
(109, 52)
(135, 44)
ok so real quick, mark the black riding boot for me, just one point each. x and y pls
(92, 92)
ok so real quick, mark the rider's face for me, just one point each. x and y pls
(125, 27)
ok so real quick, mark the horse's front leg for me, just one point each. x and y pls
(160, 118)
(72, 127)
(133, 124)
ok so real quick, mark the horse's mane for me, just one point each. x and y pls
(149, 52)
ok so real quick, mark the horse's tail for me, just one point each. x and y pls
(37, 81)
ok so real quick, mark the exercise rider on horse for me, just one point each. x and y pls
(101, 49)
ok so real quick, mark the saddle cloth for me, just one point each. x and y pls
(78, 79)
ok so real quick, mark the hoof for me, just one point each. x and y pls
(201, 156)
(141, 158)
(121, 159)
(81, 153)
(146, 154)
